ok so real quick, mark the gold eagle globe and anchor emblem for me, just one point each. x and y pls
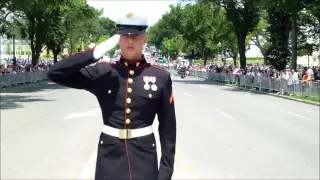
(129, 15)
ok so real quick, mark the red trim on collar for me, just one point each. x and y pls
(132, 61)
(134, 68)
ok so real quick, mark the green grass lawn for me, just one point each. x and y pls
(310, 99)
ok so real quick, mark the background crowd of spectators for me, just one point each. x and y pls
(302, 73)
(23, 65)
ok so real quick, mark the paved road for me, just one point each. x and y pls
(51, 132)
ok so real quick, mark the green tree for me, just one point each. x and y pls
(223, 33)
(278, 52)
(172, 47)
(33, 23)
(198, 29)
(82, 25)
(56, 35)
(232, 47)
(308, 32)
(6, 9)
(259, 36)
(105, 37)
(71, 21)
(158, 32)
(244, 16)
(293, 7)
(107, 27)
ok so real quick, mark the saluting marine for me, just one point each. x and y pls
(130, 93)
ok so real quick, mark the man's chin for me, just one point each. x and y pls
(131, 56)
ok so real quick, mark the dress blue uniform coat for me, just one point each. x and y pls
(126, 104)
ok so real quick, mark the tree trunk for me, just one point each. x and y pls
(36, 42)
(192, 54)
(35, 58)
(205, 58)
(56, 52)
(234, 57)
(55, 58)
(36, 51)
(242, 49)
(294, 41)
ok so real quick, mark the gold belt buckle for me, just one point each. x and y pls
(125, 134)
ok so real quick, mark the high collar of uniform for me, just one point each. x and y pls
(133, 64)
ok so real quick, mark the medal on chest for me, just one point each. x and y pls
(153, 86)
(146, 80)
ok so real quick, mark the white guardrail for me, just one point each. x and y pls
(301, 88)
(10, 79)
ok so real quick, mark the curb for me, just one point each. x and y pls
(271, 94)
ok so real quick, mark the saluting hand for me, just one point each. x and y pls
(105, 46)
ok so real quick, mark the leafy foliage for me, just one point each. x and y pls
(200, 28)
(53, 25)
(278, 52)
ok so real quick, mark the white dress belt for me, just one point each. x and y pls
(127, 133)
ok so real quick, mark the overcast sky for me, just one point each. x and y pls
(152, 9)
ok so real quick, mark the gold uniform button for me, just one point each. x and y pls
(130, 80)
(101, 142)
(128, 100)
(137, 64)
(128, 111)
(131, 72)
(128, 121)
(150, 95)
(125, 63)
(129, 90)
(153, 145)
(109, 92)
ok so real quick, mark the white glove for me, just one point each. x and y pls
(105, 46)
